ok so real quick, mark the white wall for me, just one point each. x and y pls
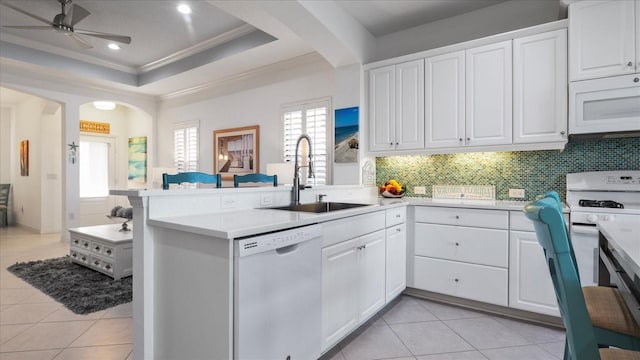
(6, 144)
(259, 105)
(496, 19)
(51, 171)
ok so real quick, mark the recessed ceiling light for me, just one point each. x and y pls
(113, 46)
(184, 9)
(104, 105)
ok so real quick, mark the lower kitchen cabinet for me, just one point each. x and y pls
(462, 252)
(396, 260)
(530, 285)
(353, 284)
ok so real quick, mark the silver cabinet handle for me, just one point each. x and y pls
(76, 241)
(468, 139)
(108, 252)
(108, 267)
(398, 230)
(460, 139)
(391, 143)
(397, 143)
(456, 279)
(457, 217)
(630, 63)
(561, 132)
(457, 244)
(636, 80)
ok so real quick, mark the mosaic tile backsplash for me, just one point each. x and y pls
(534, 171)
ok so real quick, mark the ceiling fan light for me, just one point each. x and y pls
(104, 105)
(113, 46)
(184, 9)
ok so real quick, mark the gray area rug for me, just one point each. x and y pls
(80, 289)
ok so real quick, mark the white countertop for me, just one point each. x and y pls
(624, 237)
(246, 222)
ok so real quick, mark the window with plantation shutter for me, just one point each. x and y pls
(311, 118)
(185, 146)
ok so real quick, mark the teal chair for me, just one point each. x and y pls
(5, 190)
(593, 317)
(191, 177)
(255, 178)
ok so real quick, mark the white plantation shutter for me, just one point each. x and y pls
(311, 118)
(185, 146)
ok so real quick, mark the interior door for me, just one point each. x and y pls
(98, 174)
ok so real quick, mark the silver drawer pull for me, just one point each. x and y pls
(398, 229)
(76, 241)
(108, 267)
(108, 251)
(97, 248)
(96, 263)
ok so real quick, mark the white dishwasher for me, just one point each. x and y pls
(277, 282)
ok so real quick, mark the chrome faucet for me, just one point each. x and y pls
(295, 192)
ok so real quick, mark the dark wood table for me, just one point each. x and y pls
(619, 262)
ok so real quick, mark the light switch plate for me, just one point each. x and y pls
(516, 193)
(419, 190)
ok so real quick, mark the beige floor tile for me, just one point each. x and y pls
(64, 314)
(38, 298)
(106, 332)
(9, 331)
(110, 352)
(30, 355)
(45, 336)
(120, 311)
(5, 307)
(10, 281)
(10, 296)
(27, 313)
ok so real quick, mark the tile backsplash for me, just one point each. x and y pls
(534, 171)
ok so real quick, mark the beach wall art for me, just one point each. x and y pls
(236, 151)
(137, 161)
(346, 135)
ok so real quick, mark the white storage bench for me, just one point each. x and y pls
(103, 248)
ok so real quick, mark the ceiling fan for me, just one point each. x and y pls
(64, 23)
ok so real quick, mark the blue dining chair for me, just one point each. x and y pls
(593, 317)
(254, 178)
(191, 177)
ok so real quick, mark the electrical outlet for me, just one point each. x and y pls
(419, 190)
(516, 193)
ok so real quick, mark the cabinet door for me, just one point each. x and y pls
(382, 108)
(372, 274)
(396, 261)
(540, 88)
(601, 39)
(444, 100)
(488, 101)
(340, 271)
(530, 285)
(410, 105)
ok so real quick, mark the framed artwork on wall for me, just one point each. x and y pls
(346, 135)
(137, 161)
(24, 158)
(236, 151)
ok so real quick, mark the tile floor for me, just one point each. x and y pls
(33, 326)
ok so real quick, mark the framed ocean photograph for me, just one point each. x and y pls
(236, 151)
(346, 135)
(137, 161)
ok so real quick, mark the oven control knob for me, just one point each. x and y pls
(592, 218)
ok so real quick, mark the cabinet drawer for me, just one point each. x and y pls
(340, 230)
(459, 243)
(469, 281)
(494, 219)
(396, 216)
(518, 221)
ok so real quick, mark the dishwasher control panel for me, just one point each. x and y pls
(276, 240)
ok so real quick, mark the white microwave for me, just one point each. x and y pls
(604, 105)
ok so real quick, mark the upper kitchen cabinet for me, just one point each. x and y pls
(540, 87)
(488, 95)
(444, 100)
(396, 107)
(604, 39)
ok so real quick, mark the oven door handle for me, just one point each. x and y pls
(584, 229)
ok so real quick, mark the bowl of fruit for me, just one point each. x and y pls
(392, 189)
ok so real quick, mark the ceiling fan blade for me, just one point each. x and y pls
(30, 27)
(113, 37)
(75, 14)
(79, 41)
(41, 19)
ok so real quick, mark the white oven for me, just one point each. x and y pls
(596, 197)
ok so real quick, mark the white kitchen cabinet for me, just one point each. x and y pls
(540, 87)
(488, 98)
(462, 252)
(396, 261)
(444, 100)
(396, 107)
(604, 39)
(353, 284)
(530, 285)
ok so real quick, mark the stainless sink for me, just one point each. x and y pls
(319, 207)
